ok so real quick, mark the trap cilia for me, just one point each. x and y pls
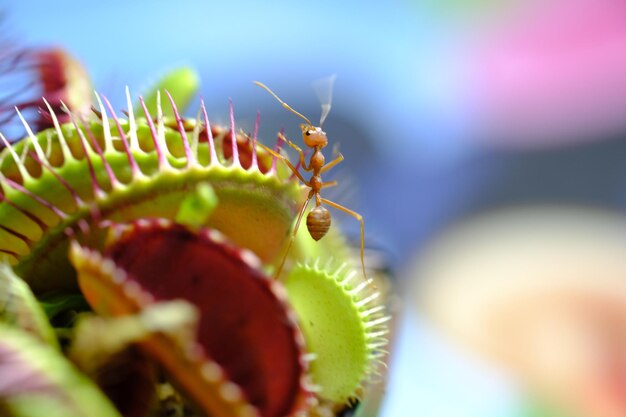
(139, 252)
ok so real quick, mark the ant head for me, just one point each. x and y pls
(313, 137)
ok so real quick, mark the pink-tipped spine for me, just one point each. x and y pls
(18, 235)
(209, 134)
(233, 135)
(21, 168)
(25, 212)
(155, 138)
(35, 197)
(96, 147)
(79, 201)
(181, 130)
(134, 168)
(279, 145)
(97, 191)
(254, 164)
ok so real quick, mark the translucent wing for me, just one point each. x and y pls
(324, 89)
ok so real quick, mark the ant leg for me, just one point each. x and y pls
(329, 184)
(291, 167)
(332, 163)
(360, 219)
(293, 235)
(297, 149)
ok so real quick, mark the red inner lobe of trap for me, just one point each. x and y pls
(242, 325)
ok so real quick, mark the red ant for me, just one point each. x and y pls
(318, 220)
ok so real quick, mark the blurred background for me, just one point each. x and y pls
(484, 144)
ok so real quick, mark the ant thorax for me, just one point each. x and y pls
(317, 160)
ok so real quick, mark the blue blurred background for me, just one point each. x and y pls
(443, 108)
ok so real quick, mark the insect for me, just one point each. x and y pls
(319, 219)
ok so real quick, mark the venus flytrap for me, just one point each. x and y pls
(27, 75)
(154, 207)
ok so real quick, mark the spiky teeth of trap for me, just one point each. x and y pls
(57, 180)
(343, 325)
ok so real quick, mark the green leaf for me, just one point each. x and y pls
(38, 381)
(55, 303)
(181, 83)
(196, 208)
(19, 307)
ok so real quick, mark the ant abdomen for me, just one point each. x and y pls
(318, 222)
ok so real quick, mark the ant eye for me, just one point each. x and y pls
(308, 133)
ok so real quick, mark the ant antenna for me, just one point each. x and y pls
(285, 105)
(324, 89)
